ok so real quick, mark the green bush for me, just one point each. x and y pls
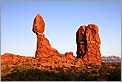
(114, 74)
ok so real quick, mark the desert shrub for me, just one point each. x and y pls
(27, 75)
(61, 76)
(82, 75)
(114, 74)
(20, 68)
(111, 74)
(59, 69)
(24, 73)
(94, 71)
(32, 75)
(91, 77)
(103, 72)
(70, 75)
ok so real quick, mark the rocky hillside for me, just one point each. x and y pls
(23, 68)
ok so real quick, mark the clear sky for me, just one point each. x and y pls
(62, 19)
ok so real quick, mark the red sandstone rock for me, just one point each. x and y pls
(45, 52)
(79, 62)
(12, 59)
(88, 44)
(69, 55)
(44, 49)
(38, 25)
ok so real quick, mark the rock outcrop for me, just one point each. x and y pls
(13, 60)
(88, 44)
(47, 55)
(44, 49)
(38, 25)
(48, 58)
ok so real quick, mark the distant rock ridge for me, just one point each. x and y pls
(111, 59)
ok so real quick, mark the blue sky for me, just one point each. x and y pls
(62, 19)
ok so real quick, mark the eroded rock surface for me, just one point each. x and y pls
(44, 49)
(88, 44)
(46, 57)
(38, 25)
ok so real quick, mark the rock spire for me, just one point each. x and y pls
(88, 44)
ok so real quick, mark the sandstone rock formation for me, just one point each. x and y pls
(44, 49)
(12, 59)
(48, 58)
(38, 25)
(88, 44)
(69, 55)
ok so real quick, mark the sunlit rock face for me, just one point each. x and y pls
(88, 44)
(48, 55)
(38, 25)
(44, 49)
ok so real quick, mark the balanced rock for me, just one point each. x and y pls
(38, 25)
(88, 44)
(44, 49)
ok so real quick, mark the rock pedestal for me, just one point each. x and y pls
(44, 48)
